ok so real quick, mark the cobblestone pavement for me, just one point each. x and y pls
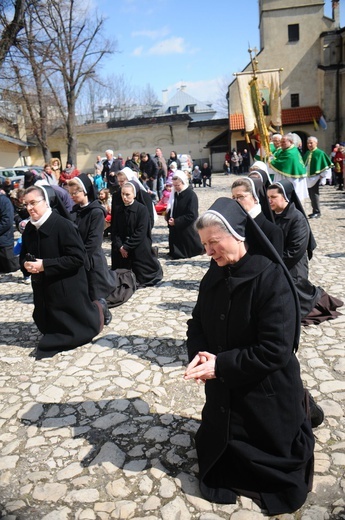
(105, 431)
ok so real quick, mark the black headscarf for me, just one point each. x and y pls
(87, 186)
(291, 197)
(243, 227)
(261, 193)
(262, 175)
(55, 202)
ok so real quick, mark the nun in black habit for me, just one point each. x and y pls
(63, 310)
(255, 437)
(131, 246)
(299, 243)
(251, 194)
(142, 196)
(181, 214)
(89, 217)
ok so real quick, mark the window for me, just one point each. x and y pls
(293, 31)
(173, 110)
(294, 100)
(191, 109)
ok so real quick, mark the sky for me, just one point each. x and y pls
(169, 43)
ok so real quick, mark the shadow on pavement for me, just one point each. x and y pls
(123, 434)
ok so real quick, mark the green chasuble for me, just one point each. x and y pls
(316, 161)
(273, 151)
(289, 162)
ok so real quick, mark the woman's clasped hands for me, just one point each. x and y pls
(201, 368)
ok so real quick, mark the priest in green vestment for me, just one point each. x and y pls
(318, 166)
(288, 164)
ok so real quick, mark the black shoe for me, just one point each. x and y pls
(107, 314)
(314, 215)
(316, 413)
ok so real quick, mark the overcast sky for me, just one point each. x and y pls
(167, 43)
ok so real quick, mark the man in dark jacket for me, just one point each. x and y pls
(110, 168)
(8, 262)
(162, 172)
(149, 166)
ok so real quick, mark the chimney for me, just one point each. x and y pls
(165, 96)
(336, 13)
(183, 88)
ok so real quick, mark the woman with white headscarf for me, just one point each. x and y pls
(131, 246)
(255, 438)
(142, 196)
(54, 255)
(182, 212)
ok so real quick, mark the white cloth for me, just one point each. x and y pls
(181, 175)
(41, 221)
(300, 185)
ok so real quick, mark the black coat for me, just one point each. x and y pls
(131, 229)
(176, 160)
(149, 167)
(133, 165)
(142, 196)
(184, 241)
(8, 262)
(254, 435)
(296, 238)
(90, 222)
(63, 311)
(6, 221)
(273, 233)
(206, 172)
(116, 166)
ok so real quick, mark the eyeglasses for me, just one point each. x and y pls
(33, 203)
(240, 197)
(73, 193)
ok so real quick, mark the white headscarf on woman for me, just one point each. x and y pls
(184, 179)
(259, 164)
(131, 176)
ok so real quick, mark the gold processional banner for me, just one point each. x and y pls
(268, 85)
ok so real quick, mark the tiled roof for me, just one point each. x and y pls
(290, 116)
(293, 116)
(236, 122)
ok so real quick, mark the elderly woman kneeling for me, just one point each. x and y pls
(255, 437)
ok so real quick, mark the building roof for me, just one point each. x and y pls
(182, 102)
(14, 140)
(295, 116)
(220, 140)
(149, 120)
(236, 122)
(290, 116)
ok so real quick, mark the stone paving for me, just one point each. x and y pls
(106, 431)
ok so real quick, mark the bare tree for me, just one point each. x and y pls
(27, 64)
(148, 96)
(10, 28)
(74, 46)
(114, 97)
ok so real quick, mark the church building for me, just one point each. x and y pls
(310, 48)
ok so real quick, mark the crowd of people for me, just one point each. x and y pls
(255, 437)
